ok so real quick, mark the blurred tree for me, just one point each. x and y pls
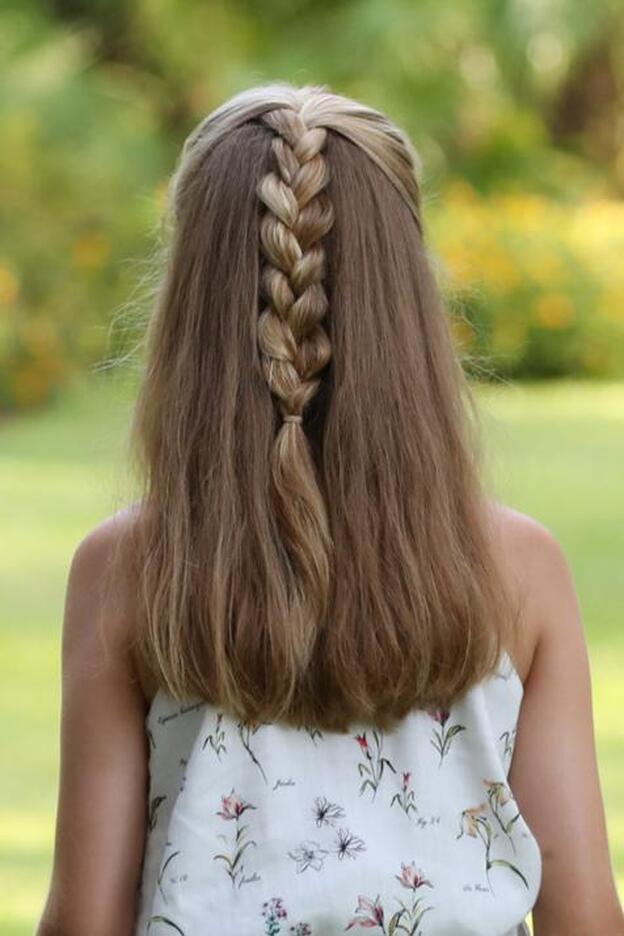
(96, 96)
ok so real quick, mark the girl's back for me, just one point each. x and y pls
(303, 713)
(271, 829)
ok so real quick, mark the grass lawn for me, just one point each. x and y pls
(556, 452)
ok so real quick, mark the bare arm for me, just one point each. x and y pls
(101, 819)
(554, 772)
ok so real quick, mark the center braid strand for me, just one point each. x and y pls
(293, 343)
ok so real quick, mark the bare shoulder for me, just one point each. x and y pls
(102, 542)
(100, 606)
(540, 577)
(554, 770)
(103, 777)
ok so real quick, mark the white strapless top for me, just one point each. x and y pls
(292, 830)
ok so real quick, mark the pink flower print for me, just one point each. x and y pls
(412, 878)
(273, 911)
(233, 806)
(405, 798)
(440, 715)
(408, 918)
(368, 914)
(443, 736)
(372, 768)
(274, 907)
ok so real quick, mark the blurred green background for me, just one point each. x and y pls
(516, 109)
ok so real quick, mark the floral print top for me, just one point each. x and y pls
(291, 830)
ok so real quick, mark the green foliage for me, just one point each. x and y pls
(536, 286)
(78, 165)
(96, 98)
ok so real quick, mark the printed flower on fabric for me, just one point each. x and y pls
(499, 797)
(443, 736)
(369, 914)
(412, 878)
(475, 822)
(348, 845)
(308, 855)
(232, 808)
(405, 798)
(274, 912)
(325, 812)
(372, 767)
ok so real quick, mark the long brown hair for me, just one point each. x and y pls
(312, 543)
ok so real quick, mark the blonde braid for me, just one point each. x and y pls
(294, 345)
(294, 349)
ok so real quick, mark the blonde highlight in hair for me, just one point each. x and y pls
(312, 543)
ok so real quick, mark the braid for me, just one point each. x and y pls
(294, 348)
(293, 343)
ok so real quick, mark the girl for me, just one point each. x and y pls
(314, 680)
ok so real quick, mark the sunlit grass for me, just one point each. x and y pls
(557, 452)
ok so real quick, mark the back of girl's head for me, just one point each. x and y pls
(312, 543)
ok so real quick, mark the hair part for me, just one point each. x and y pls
(339, 569)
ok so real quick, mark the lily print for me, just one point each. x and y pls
(309, 854)
(369, 914)
(348, 845)
(499, 795)
(372, 767)
(443, 736)
(475, 823)
(232, 808)
(325, 812)
(405, 798)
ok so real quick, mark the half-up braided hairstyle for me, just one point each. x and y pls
(295, 349)
(311, 542)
